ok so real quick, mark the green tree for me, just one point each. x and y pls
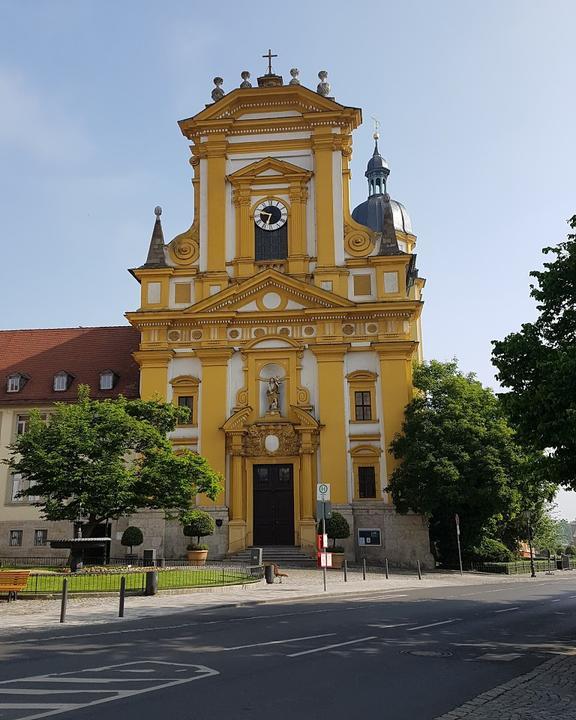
(98, 460)
(546, 530)
(337, 527)
(132, 536)
(197, 523)
(459, 455)
(538, 366)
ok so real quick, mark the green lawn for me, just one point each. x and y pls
(110, 582)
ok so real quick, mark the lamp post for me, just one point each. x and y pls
(529, 524)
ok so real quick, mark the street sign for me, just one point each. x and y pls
(323, 510)
(323, 492)
(457, 518)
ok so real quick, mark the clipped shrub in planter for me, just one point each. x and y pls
(131, 537)
(197, 523)
(337, 528)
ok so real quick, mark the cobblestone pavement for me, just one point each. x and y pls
(546, 693)
(25, 614)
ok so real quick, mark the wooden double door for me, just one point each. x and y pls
(273, 505)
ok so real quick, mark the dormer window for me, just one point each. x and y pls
(107, 380)
(62, 381)
(15, 383)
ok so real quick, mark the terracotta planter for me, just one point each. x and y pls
(337, 560)
(197, 557)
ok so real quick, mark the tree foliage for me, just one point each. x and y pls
(459, 455)
(96, 460)
(132, 536)
(538, 366)
(197, 523)
(337, 527)
(547, 530)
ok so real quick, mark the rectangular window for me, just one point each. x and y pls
(14, 384)
(15, 539)
(60, 382)
(188, 402)
(21, 424)
(40, 537)
(182, 293)
(18, 485)
(362, 285)
(366, 482)
(362, 405)
(106, 381)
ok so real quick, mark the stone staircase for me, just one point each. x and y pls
(285, 556)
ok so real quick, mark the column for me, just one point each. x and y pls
(333, 460)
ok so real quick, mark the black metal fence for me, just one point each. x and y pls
(45, 584)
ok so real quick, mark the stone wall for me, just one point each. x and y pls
(405, 538)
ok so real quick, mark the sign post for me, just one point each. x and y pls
(323, 497)
(457, 519)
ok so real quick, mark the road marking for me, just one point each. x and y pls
(559, 600)
(278, 642)
(386, 627)
(506, 610)
(497, 657)
(331, 647)
(162, 679)
(444, 622)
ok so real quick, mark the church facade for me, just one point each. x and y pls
(285, 322)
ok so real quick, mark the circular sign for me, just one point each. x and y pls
(323, 489)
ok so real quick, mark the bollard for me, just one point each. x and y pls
(345, 566)
(122, 596)
(386, 566)
(363, 568)
(64, 600)
(419, 570)
(151, 583)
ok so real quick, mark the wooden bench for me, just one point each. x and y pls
(13, 581)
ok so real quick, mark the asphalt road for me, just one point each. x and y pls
(406, 654)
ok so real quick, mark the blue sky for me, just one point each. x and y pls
(477, 113)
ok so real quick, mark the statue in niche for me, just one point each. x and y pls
(273, 393)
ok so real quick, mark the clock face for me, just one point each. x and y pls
(270, 215)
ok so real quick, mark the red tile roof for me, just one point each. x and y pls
(84, 353)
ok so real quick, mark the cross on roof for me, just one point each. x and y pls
(269, 56)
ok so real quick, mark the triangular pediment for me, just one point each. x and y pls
(290, 107)
(269, 291)
(269, 167)
(240, 101)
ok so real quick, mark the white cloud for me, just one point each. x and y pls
(35, 124)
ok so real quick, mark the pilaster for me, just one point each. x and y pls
(216, 147)
(153, 373)
(333, 461)
(323, 145)
(213, 409)
(396, 388)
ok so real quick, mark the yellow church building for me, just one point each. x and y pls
(286, 323)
